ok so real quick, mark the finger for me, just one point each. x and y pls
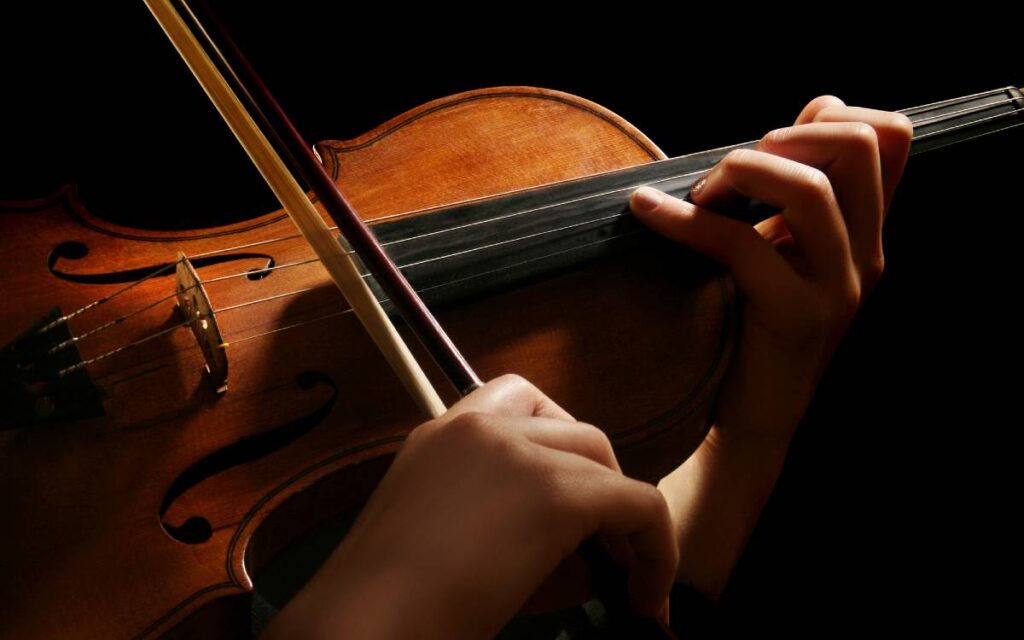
(579, 438)
(895, 133)
(630, 508)
(775, 231)
(567, 436)
(815, 106)
(802, 192)
(610, 504)
(848, 154)
(760, 272)
(508, 395)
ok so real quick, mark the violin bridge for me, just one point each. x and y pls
(195, 305)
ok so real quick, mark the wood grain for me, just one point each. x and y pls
(82, 500)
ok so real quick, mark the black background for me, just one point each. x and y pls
(894, 509)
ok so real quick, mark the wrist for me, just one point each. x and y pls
(757, 455)
(716, 498)
(763, 399)
(366, 591)
(344, 599)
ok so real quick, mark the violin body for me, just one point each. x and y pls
(165, 492)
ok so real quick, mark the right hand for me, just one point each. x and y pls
(478, 508)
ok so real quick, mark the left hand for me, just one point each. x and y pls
(803, 273)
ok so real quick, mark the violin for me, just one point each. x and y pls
(175, 464)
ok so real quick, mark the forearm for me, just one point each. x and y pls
(330, 606)
(803, 274)
(715, 498)
(717, 494)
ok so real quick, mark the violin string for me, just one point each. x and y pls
(950, 115)
(291, 326)
(116, 321)
(957, 127)
(928, 120)
(499, 243)
(445, 257)
(472, 249)
(949, 101)
(278, 296)
(937, 118)
(447, 283)
(250, 245)
(307, 289)
(635, 186)
(235, 341)
(530, 236)
(131, 345)
(262, 272)
(981, 135)
(73, 340)
(107, 298)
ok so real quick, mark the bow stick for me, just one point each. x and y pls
(335, 259)
(341, 267)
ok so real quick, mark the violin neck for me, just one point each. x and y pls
(493, 243)
(952, 121)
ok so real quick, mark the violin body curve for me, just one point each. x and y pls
(163, 496)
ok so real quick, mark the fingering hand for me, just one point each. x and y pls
(803, 272)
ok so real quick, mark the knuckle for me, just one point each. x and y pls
(426, 430)
(516, 385)
(863, 136)
(593, 430)
(825, 101)
(474, 429)
(902, 126)
(514, 388)
(472, 424)
(735, 158)
(775, 137)
(814, 183)
(420, 432)
(512, 380)
(599, 440)
(846, 303)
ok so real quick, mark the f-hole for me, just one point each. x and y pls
(74, 250)
(197, 529)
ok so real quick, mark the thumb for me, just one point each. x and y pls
(754, 262)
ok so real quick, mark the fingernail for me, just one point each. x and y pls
(698, 186)
(647, 199)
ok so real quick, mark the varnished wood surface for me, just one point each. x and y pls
(893, 511)
(589, 338)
